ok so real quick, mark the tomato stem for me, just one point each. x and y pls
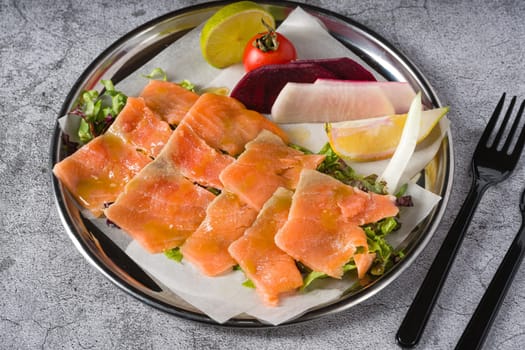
(267, 42)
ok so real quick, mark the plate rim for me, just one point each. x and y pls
(335, 307)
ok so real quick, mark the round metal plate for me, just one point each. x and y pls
(135, 48)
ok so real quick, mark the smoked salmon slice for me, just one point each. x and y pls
(159, 207)
(136, 124)
(97, 172)
(226, 125)
(227, 218)
(323, 230)
(194, 158)
(272, 271)
(266, 164)
(363, 262)
(169, 101)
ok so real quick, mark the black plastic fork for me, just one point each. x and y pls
(492, 162)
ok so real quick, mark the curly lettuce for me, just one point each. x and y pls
(98, 111)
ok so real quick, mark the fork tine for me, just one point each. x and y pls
(513, 128)
(492, 122)
(503, 124)
(516, 152)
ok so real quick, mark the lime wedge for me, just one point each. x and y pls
(226, 33)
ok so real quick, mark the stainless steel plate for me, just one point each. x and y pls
(137, 47)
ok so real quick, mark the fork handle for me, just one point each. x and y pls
(479, 326)
(415, 320)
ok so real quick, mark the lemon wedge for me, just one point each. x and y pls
(376, 138)
(226, 33)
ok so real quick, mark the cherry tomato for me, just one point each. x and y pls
(268, 48)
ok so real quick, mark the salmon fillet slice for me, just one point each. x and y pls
(266, 164)
(194, 158)
(136, 124)
(169, 101)
(363, 262)
(97, 172)
(227, 218)
(271, 270)
(226, 125)
(159, 207)
(323, 229)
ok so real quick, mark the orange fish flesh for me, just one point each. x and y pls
(272, 271)
(194, 158)
(97, 172)
(159, 207)
(226, 125)
(323, 229)
(227, 218)
(137, 125)
(267, 164)
(169, 101)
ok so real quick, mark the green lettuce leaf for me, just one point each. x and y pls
(174, 254)
(248, 284)
(375, 234)
(334, 166)
(157, 74)
(98, 111)
(187, 85)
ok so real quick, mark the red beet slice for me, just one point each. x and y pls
(344, 68)
(258, 89)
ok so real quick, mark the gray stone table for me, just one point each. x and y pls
(51, 298)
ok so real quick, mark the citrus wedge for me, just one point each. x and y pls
(226, 33)
(376, 138)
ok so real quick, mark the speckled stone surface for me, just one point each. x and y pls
(51, 298)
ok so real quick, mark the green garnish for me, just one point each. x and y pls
(375, 234)
(349, 266)
(214, 190)
(187, 85)
(334, 166)
(360, 250)
(312, 276)
(157, 74)
(174, 254)
(160, 74)
(248, 284)
(300, 148)
(402, 190)
(98, 111)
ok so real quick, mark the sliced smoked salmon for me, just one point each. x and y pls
(136, 124)
(97, 172)
(271, 270)
(323, 230)
(169, 101)
(226, 125)
(227, 218)
(159, 207)
(363, 262)
(194, 158)
(267, 164)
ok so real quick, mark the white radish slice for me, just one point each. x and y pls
(335, 101)
(407, 144)
(400, 94)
